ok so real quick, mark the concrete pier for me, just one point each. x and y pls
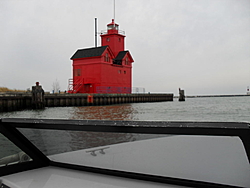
(24, 101)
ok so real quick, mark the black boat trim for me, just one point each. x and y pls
(8, 127)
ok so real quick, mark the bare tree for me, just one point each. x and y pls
(56, 86)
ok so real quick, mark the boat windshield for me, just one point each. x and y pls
(10, 153)
(193, 153)
(200, 158)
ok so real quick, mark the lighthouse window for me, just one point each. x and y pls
(116, 27)
(106, 58)
(126, 61)
(77, 72)
(124, 72)
(110, 27)
(107, 39)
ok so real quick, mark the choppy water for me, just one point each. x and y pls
(226, 109)
(236, 109)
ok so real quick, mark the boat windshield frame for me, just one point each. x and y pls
(9, 128)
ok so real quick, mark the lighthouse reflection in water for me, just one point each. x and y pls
(52, 142)
(113, 112)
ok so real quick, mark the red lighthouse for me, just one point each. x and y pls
(104, 69)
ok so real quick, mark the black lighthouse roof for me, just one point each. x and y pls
(89, 52)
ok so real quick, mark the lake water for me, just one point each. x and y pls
(228, 109)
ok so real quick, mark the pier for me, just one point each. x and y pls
(14, 102)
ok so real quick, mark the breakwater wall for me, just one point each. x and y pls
(24, 101)
(200, 96)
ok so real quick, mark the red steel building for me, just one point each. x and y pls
(104, 69)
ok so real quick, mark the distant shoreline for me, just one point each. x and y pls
(200, 96)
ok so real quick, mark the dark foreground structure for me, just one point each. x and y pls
(148, 150)
(24, 101)
(181, 95)
(37, 97)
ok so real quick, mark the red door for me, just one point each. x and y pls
(88, 88)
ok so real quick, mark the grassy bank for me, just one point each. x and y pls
(5, 89)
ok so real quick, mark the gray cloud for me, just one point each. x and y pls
(202, 46)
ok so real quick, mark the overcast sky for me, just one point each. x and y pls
(202, 46)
